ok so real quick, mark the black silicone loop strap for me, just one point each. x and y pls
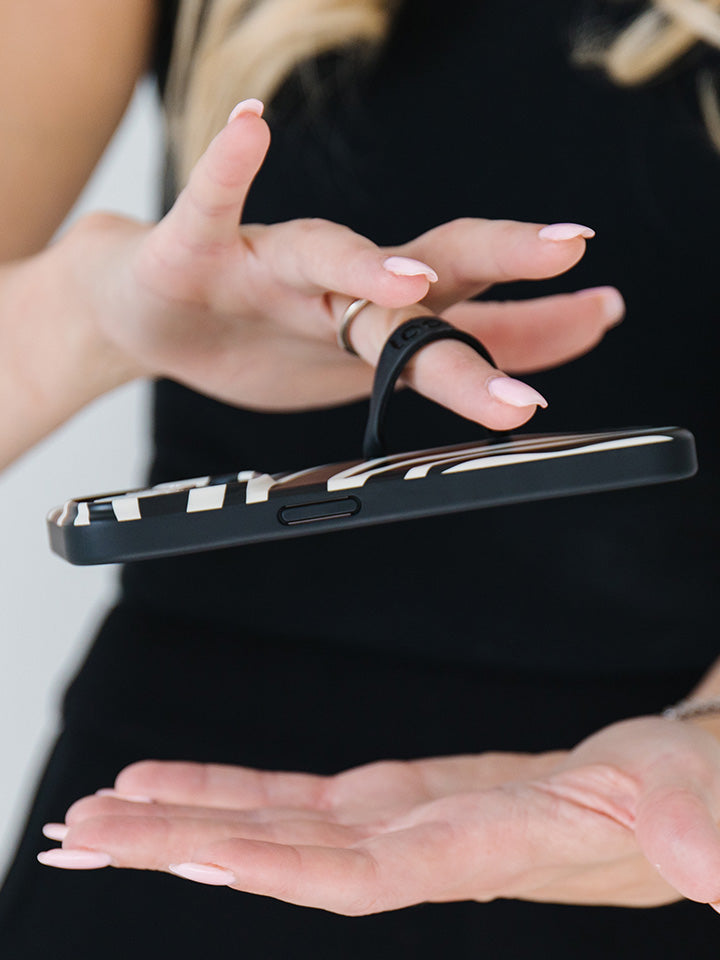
(404, 342)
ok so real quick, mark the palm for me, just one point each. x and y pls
(599, 824)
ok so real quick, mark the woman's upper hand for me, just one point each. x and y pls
(249, 314)
(626, 818)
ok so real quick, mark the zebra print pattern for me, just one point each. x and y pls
(248, 487)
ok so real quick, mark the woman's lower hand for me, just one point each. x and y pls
(626, 818)
(249, 314)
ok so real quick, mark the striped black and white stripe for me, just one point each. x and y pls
(249, 506)
(249, 487)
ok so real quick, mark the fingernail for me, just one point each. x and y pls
(715, 906)
(202, 873)
(55, 831)
(407, 267)
(247, 106)
(566, 231)
(515, 392)
(75, 859)
(613, 303)
(131, 797)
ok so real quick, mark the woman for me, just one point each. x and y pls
(531, 627)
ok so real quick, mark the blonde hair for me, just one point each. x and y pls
(227, 50)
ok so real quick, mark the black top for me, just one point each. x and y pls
(475, 110)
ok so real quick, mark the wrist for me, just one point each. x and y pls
(55, 358)
(92, 255)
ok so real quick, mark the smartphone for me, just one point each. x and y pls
(248, 507)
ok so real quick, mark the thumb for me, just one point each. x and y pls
(676, 831)
(208, 211)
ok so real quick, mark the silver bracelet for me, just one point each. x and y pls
(690, 709)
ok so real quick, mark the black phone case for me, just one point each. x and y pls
(247, 507)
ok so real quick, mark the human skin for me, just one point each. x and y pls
(249, 315)
(628, 817)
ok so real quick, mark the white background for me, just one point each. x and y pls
(48, 608)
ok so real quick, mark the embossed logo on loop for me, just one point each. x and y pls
(409, 331)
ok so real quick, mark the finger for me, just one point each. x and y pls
(350, 881)
(219, 785)
(471, 255)
(199, 851)
(385, 785)
(315, 256)
(447, 371)
(678, 834)
(152, 843)
(528, 335)
(426, 861)
(207, 212)
(358, 794)
(104, 804)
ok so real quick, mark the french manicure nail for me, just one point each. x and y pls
(515, 392)
(566, 231)
(407, 267)
(203, 873)
(55, 831)
(247, 106)
(612, 300)
(131, 797)
(75, 859)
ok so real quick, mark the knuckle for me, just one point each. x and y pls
(97, 220)
(459, 224)
(311, 227)
(92, 832)
(140, 773)
(364, 898)
(467, 223)
(85, 809)
(467, 229)
(362, 907)
(218, 169)
(332, 792)
(507, 234)
(370, 899)
(205, 199)
(93, 226)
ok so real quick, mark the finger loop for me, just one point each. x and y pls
(343, 332)
(403, 343)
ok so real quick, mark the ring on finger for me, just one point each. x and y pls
(343, 331)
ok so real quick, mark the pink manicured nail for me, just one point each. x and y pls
(715, 906)
(407, 267)
(131, 797)
(515, 392)
(75, 859)
(202, 873)
(247, 106)
(566, 231)
(613, 303)
(55, 831)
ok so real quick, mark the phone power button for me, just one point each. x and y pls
(322, 510)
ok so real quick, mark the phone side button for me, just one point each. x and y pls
(322, 510)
